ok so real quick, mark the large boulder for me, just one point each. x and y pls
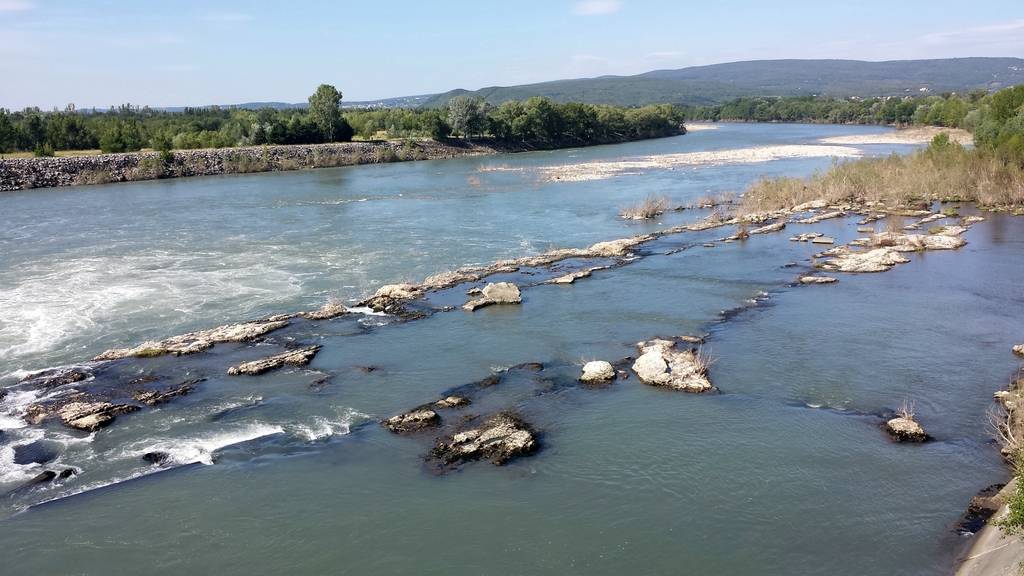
(597, 371)
(905, 429)
(498, 438)
(496, 293)
(299, 357)
(662, 364)
(1019, 350)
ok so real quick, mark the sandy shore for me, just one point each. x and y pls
(915, 135)
(587, 171)
(700, 126)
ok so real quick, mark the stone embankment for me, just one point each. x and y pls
(25, 173)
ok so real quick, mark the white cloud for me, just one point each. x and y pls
(596, 7)
(15, 5)
(227, 17)
(668, 55)
(1002, 33)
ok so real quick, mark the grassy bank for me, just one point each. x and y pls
(944, 171)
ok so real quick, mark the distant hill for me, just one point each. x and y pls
(399, 102)
(717, 83)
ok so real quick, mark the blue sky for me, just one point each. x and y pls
(98, 53)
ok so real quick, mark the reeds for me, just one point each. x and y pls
(933, 174)
(647, 208)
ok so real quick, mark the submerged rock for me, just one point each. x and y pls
(154, 397)
(905, 429)
(38, 452)
(877, 260)
(157, 457)
(55, 377)
(496, 293)
(662, 364)
(299, 357)
(597, 371)
(817, 280)
(412, 421)
(498, 438)
(194, 342)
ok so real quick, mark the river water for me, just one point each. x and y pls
(786, 471)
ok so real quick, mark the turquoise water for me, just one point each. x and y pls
(786, 471)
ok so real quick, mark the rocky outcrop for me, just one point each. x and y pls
(805, 237)
(91, 416)
(574, 276)
(817, 280)
(597, 371)
(412, 421)
(877, 260)
(662, 364)
(56, 377)
(498, 438)
(392, 299)
(823, 216)
(769, 228)
(330, 310)
(1019, 350)
(199, 341)
(299, 357)
(452, 402)
(497, 293)
(905, 429)
(154, 397)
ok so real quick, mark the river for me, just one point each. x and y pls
(785, 471)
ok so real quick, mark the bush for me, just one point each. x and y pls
(43, 151)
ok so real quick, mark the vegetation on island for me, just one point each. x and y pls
(534, 123)
(948, 110)
(990, 174)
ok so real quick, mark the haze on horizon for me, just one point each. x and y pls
(105, 52)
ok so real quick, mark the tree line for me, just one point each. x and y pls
(537, 122)
(949, 110)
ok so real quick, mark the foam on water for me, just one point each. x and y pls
(10, 472)
(46, 308)
(202, 448)
(322, 427)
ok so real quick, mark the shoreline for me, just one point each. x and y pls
(59, 171)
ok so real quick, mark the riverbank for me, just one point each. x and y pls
(993, 552)
(49, 172)
(26, 173)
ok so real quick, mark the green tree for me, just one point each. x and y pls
(467, 115)
(325, 110)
